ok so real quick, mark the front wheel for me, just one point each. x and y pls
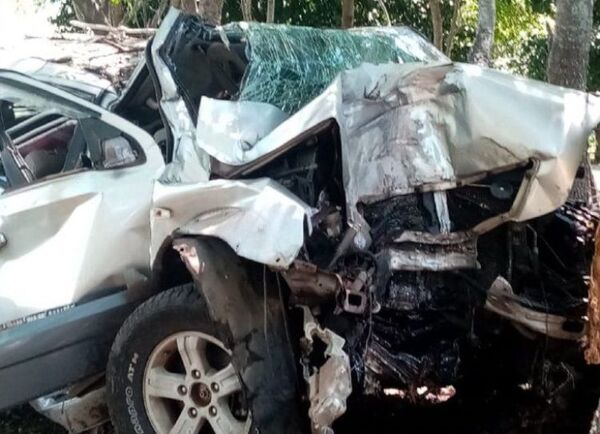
(170, 371)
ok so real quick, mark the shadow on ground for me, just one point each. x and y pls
(24, 420)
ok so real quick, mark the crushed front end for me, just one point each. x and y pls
(432, 221)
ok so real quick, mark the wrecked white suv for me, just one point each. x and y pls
(344, 215)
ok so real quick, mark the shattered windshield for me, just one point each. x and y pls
(289, 66)
(285, 66)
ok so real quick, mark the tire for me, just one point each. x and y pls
(595, 426)
(177, 315)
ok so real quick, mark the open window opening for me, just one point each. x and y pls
(41, 138)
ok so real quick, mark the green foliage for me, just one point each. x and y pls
(521, 39)
(65, 15)
(141, 13)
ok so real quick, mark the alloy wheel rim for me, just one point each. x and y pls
(191, 387)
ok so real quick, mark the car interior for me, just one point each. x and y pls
(37, 145)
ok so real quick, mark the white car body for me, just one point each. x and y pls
(415, 128)
(74, 235)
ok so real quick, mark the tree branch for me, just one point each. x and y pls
(110, 29)
(385, 12)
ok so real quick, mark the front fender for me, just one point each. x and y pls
(259, 219)
(255, 320)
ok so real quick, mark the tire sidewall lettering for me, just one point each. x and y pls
(129, 396)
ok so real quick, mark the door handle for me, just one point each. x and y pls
(3, 240)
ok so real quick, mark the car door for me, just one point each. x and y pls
(77, 228)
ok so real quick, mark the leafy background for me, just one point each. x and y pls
(521, 40)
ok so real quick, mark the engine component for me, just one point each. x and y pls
(432, 257)
(355, 296)
(310, 286)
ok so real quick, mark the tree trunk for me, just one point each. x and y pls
(211, 10)
(270, 11)
(116, 13)
(454, 26)
(247, 10)
(570, 51)
(436, 20)
(188, 6)
(158, 14)
(92, 11)
(347, 14)
(481, 53)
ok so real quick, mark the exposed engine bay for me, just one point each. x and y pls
(420, 305)
(415, 309)
(429, 223)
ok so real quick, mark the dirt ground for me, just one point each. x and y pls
(451, 419)
(28, 40)
(24, 420)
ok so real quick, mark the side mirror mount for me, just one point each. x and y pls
(117, 152)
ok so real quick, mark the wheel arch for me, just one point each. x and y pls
(173, 266)
(225, 281)
(168, 269)
(227, 286)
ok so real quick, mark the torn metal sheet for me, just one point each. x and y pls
(77, 414)
(245, 214)
(190, 163)
(232, 128)
(427, 127)
(460, 254)
(431, 126)
(440, 239)
(329, 385)
(500, 300)
(440, 260)
(441, 209)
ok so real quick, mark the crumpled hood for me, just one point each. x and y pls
(427, 127)
(404, 127)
